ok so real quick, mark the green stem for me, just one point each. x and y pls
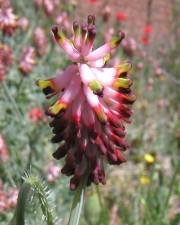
(19, 115)
(32, 184)
(172, 185)
(77, 203)
(21, 204)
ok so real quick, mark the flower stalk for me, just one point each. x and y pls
(77, 203)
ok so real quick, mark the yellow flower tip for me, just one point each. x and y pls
(57, 108)
(96, 87)
(122, 83)
(124, 68)
(145, 180)
(101, 115)
(149, 158)
(58, 34)
(45, 84)
(107, 58)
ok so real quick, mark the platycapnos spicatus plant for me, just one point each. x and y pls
(93, 102)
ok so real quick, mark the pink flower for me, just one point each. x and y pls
(121, 16)
(129, 46)
(40, 41)
(6, 60)
(52, 172)
(35, 115)
(23, 23)
(8, 20)
(27, 60)
(4, 153)
(93, 102)
(12, 197)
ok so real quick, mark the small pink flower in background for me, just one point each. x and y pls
(40, 41)
(8, 20)
(53, 172)
(121, 16)
(36, 114)
(38, 3)
(8, 199)
(48, 5)
(92, 104)
(5, 3)
(63, 20)
(109, 34)
(27, 60)
(129, 46)
(4, 153)
(23, 23)
(106, 14)
(158, 71)
(12, 196)
(150, 84)
(140, 65)
(6, 60)
(163, 103)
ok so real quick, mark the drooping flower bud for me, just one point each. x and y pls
(23, 23)
(27, 60)
(40, 41)
(92, 104)
(6, 59)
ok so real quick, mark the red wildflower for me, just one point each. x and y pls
(121, 16)
(145, 39)
(36, 114)
(148, 29)
(92, 1)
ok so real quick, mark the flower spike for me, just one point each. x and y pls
(93, 103)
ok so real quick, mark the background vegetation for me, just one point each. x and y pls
(143, 191)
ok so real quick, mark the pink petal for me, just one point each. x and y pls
(62, 79)
(104, 75)
(88, 116)
(86, 74)
(99, 52)
(97, 64)
(72, 90)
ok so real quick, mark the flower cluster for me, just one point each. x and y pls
(48, 5)
(36, 114)
(8, 199)
(8, 20)
(92, 104)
